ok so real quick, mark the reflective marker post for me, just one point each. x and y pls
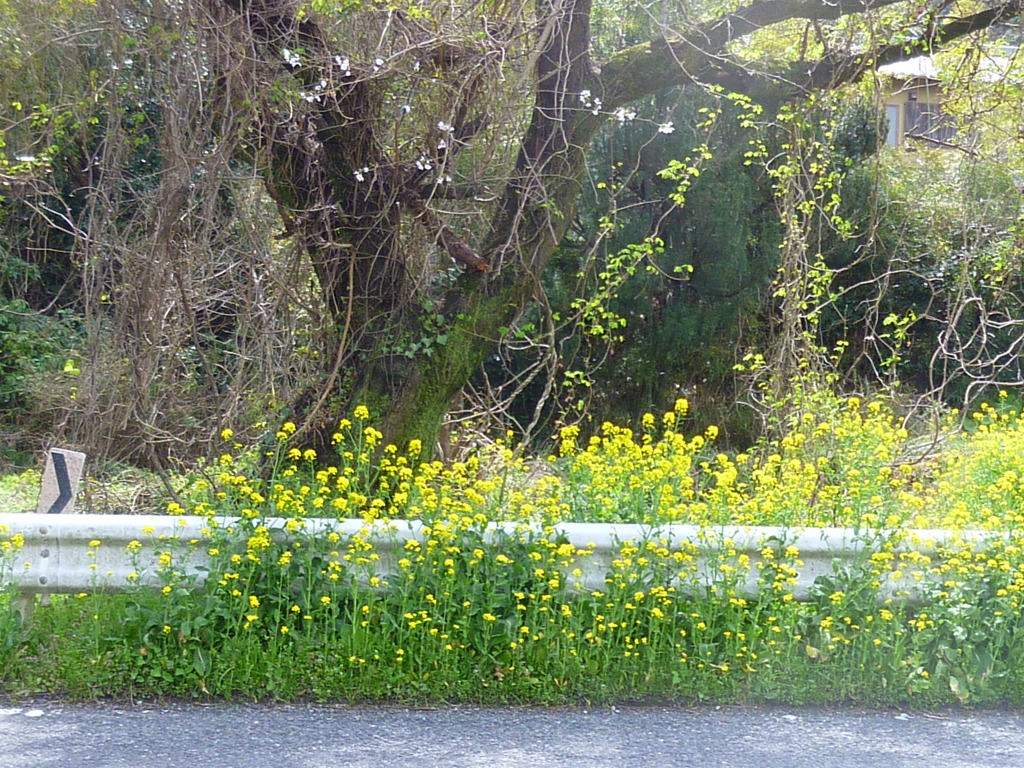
(60, 482)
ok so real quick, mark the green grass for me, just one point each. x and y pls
(76, 650)
(19, 492)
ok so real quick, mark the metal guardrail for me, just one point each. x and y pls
(60, 554)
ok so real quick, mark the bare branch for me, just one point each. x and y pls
(659, 64)
(447, 239)
(831, 72)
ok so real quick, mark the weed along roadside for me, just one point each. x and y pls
(633, 567)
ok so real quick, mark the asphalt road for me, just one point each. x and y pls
(40, 735)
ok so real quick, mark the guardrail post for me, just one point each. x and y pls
(24, 607)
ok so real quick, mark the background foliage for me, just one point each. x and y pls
(154, 288)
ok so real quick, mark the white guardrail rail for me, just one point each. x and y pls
(58, 557)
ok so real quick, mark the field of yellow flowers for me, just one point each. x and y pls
(465, 613)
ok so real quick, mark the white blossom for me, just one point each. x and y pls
(444, 127)
(344, 65)
(623, 115)
(359, 173)
(291, 57)
(315, 95)
(593, 105)
(442, 144)
(666, 127)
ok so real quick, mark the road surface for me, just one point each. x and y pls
(42, 734)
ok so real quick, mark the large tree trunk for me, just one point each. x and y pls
(533, 214)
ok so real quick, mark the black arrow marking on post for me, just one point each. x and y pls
(60, 468)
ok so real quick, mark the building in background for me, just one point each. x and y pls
(914, 96)
(913, 104)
